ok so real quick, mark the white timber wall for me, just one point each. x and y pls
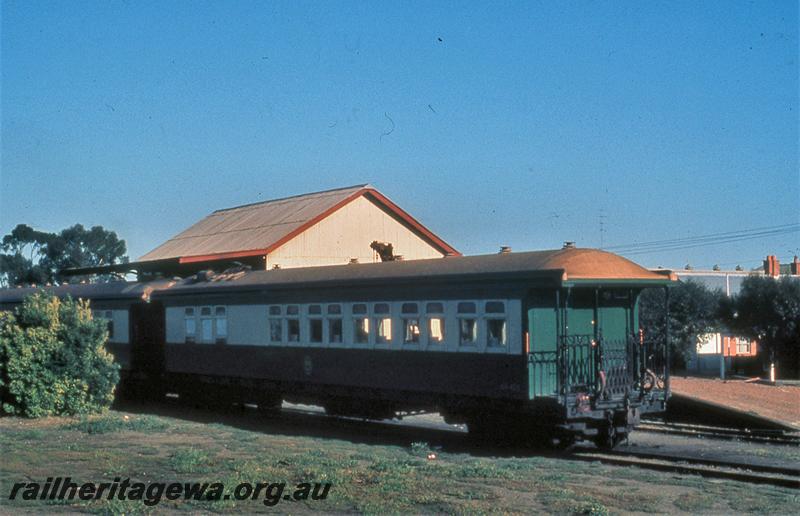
(347, 233)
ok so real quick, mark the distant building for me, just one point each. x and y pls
(725, 348)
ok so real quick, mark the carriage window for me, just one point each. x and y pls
(435, 312)
(221, 323)
(335, 331)
(468, 331)
(495, 307)
(383, 323)
(315, 324)
(334, 324)
(293, 329)
(384, 331)
(411, 331)
(108, 315)
(275, 325)
(467, 323)
(275, 331)
(315, 330)
(189, 325)
(293, 323)
(496, 332)
(409, 312)
(360, 324)
(206, 325)
(495, 324)
(466, 308)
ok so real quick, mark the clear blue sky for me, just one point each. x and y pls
(518, 123)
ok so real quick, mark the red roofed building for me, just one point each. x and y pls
(323, 228)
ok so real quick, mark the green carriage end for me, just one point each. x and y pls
(596, 308)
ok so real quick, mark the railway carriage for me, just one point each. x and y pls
(527, 346)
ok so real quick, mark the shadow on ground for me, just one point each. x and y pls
(318, 425)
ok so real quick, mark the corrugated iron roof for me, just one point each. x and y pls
(261, 227)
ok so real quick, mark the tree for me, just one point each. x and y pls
(768, 310)
(53, 360)
(693, 311)
(36, 257)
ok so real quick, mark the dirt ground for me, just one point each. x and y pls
(772, 401)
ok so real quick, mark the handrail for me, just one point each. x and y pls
(630, 366)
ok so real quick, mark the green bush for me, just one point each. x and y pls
(53, 360)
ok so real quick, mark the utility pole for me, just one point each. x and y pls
(602, 219)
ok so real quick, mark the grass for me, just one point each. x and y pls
(190, 460)
(113, 422)
(368, 478)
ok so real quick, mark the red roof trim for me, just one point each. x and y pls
(369, 193)
(411, 221)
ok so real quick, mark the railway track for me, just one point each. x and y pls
(713, 432)
(710, 468)
(456, 439)
(749, 473)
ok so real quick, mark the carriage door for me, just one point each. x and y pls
(543, 332)
(147, 339)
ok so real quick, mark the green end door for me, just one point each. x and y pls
(582, 314)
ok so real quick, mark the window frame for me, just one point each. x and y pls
(330, 317)
(186, 318)
(221, 340)
(475, 317)
(366, 315)
(378, 319)
(311, 319)
(298, 319)
(496, 316)
(743, 346)
(513, 343)
(404, 317)
(210, 319)
(279, 317)
(427, 318)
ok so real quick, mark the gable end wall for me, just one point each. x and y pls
(347, 233)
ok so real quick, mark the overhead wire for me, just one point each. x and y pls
(675, 244)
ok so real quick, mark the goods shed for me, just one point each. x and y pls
(356, 224)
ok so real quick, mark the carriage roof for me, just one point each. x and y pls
(566, 267)
(562, 267)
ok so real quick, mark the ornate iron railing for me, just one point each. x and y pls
(610, 369)
(651, 363)
(577, 363)
(616, 368)
(545, 372)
